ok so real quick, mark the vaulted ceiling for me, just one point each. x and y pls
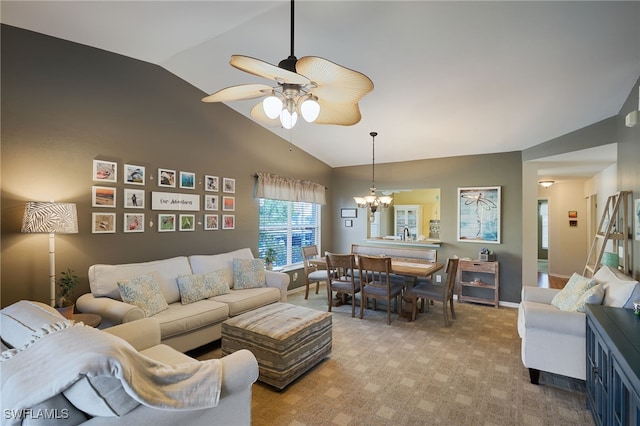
(451, 78)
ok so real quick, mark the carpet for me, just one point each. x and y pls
(420, 373)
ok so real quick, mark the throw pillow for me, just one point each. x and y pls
(618, 288)
(202, 286)
(569, 295)
(248, 273)
(593, 296)
(144, 292)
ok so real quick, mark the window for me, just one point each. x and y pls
(287, 226)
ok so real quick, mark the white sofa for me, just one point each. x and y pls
(183, 326)
(553, 339)
(56, 391)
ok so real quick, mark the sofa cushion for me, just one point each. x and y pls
(248, 273)
(100, 396)
(593, 296)
(103, 279)
(201, 264)
(179, 318)
(240, 301)
(202, 286)
(620, 290)
(569, 295)
(21, 321)
(143, 291)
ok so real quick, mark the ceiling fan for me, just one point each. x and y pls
(323, 92)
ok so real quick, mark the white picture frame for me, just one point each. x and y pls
(133, 222)
(211, 222)
(211, 202)
(134, 175)
(211, 183)
(134, 198)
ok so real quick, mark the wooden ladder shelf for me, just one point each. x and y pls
(614, 234)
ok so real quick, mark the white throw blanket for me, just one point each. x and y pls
(65, 354)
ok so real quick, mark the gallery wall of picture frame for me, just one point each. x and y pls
(184, 207)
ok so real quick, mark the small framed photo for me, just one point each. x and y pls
(228, 204)
(133, 198)
(166, 222)
(187, 222)
(211, 202)
(167, 178)
(103, 223)
(228, 221)
(573, 223)
(211, 183)
(134, 175)
(573, 214)
(210, 222)
(229, 185)
(103, 196)
(105, 171)
(348, 212)
(348, 223)
(187, 180)
(134, 222)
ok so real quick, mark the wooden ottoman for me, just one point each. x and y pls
(287, 340)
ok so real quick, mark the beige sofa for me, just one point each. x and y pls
(182, 326)
(71, 385)
(553, 339)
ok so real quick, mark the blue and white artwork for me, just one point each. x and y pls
(479, 214)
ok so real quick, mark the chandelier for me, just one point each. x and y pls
(372, 201)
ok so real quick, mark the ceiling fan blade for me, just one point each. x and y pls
(264, 69)
(337, 113)
(257, 113)
(336, 83)
(237, 93)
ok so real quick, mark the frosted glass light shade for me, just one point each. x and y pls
(272, 106)
(385, 200)
(310, 110)
(288, 120)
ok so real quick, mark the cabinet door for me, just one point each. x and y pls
(625, 403)
(597, 374)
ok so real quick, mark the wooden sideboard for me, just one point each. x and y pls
(479, 275)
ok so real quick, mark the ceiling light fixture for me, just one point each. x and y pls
(372, 201)
(546, 183)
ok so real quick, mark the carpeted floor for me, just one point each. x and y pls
(420, 373)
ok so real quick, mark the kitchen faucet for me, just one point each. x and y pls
(405, 233)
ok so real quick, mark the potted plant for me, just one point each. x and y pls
(66, 283)
(270, 257)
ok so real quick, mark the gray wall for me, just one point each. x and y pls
(64, 104)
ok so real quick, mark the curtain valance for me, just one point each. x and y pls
(277, 187)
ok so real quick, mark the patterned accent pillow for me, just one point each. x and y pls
(569, 295)
(593, 296)
(144, 292)
(202, 286)
(249, 273)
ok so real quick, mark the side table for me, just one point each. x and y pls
(92, 320)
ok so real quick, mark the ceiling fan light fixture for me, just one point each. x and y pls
(287, 119)
(310, 109)
(272, 106)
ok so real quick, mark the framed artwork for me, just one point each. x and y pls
(348, 223)
(228, 204)
(187, 222)
(133, 198)
(211, 202)
(479, 214)
(103, 223)
(348, 212)
(636, 218)
(134, 222)
(166, 222)
(134, 175)
(187, 180)
(573, 214)
(105, 171)
(211, 183)
(228, 221)
(103, 196)
(229, 185)
(167, 178)
(210, 222)
(573, 223)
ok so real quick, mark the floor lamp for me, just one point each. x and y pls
(50, 218)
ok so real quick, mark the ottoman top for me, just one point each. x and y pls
(277, 320)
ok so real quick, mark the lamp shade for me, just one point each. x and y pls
(50, 218)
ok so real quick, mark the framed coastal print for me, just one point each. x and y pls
(105, 171)
(187, 180)
(134, 222)
(211, 183)
(228, 221)
(228, 204)
(133, 198)
(103, 223)
(103, 196)
(187, 222)
(166, 222)
(134, 175)
(229, 185)
(167, 178)
(210, 222)
(479, 214)
(211, 202)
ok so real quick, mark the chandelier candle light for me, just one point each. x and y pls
(372, 201)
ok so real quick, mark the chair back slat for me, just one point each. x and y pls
(309, 252)
(374, 271)
(452, 270)
(340, 267)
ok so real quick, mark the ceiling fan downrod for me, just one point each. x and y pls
(289, 64)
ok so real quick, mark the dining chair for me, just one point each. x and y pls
(376, 284)
(312, 273)
(340, 278)
(425, 289)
